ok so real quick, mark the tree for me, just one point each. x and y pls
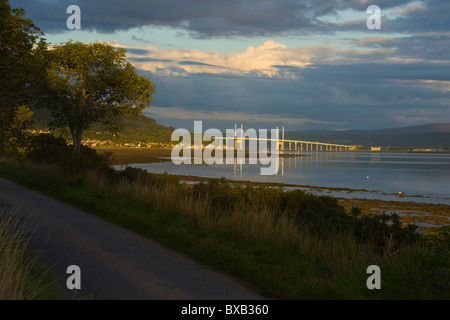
(21, 67)
(90, 83)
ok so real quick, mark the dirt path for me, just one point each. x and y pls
(115, 264)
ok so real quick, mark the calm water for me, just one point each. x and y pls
(385, 174)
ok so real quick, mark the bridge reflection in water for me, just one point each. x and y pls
(287, 148)
(292, 160)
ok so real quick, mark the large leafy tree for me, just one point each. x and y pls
(91, 83)
(22, 57)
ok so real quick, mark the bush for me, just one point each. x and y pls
(383, 233)
(141, 176)
(438, 246)
(48, 149)
(323, 215)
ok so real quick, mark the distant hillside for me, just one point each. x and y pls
(430, 135)
(134, 130)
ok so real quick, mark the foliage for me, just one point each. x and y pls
(436, 263)
(16, 137)
(48, 149)
(92, 83)
(141, 176)
(21, 67)
(439, 247)
(321, 215)
(384, 232)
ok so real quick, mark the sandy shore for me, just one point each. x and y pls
(427, 216)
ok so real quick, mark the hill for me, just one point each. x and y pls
(423, 136)
(140, 130)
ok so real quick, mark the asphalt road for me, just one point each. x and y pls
(115, 264)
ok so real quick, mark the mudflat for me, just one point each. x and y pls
(124, 156)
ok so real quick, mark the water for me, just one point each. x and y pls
(419, 177)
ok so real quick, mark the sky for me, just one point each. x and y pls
(264, 63)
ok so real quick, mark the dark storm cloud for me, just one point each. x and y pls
(203, 18)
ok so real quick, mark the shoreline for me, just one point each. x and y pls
(428, 216)
(124, 156)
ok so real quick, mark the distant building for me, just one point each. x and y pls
(375, 148)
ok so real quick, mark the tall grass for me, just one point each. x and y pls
(17, 279)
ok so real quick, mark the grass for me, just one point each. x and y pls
(265, 248)
(21, 277)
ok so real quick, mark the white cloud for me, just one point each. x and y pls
(261, 59)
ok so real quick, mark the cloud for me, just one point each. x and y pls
(273, 59)
(204, 19)
(358, 96)
(368, 82)
(138, 39)
(401, 17)
(424, 46)
(183, 114)
(417, 115)
(428, 16)
(412, 8)
(266, 59)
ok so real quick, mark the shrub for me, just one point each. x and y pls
(46, 148)
(383, 233)
(141, 176)
(438, 246)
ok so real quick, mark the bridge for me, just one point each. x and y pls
(296, 146)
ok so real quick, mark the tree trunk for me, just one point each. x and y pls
(76, 136)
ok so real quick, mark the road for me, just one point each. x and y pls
(115, 264)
